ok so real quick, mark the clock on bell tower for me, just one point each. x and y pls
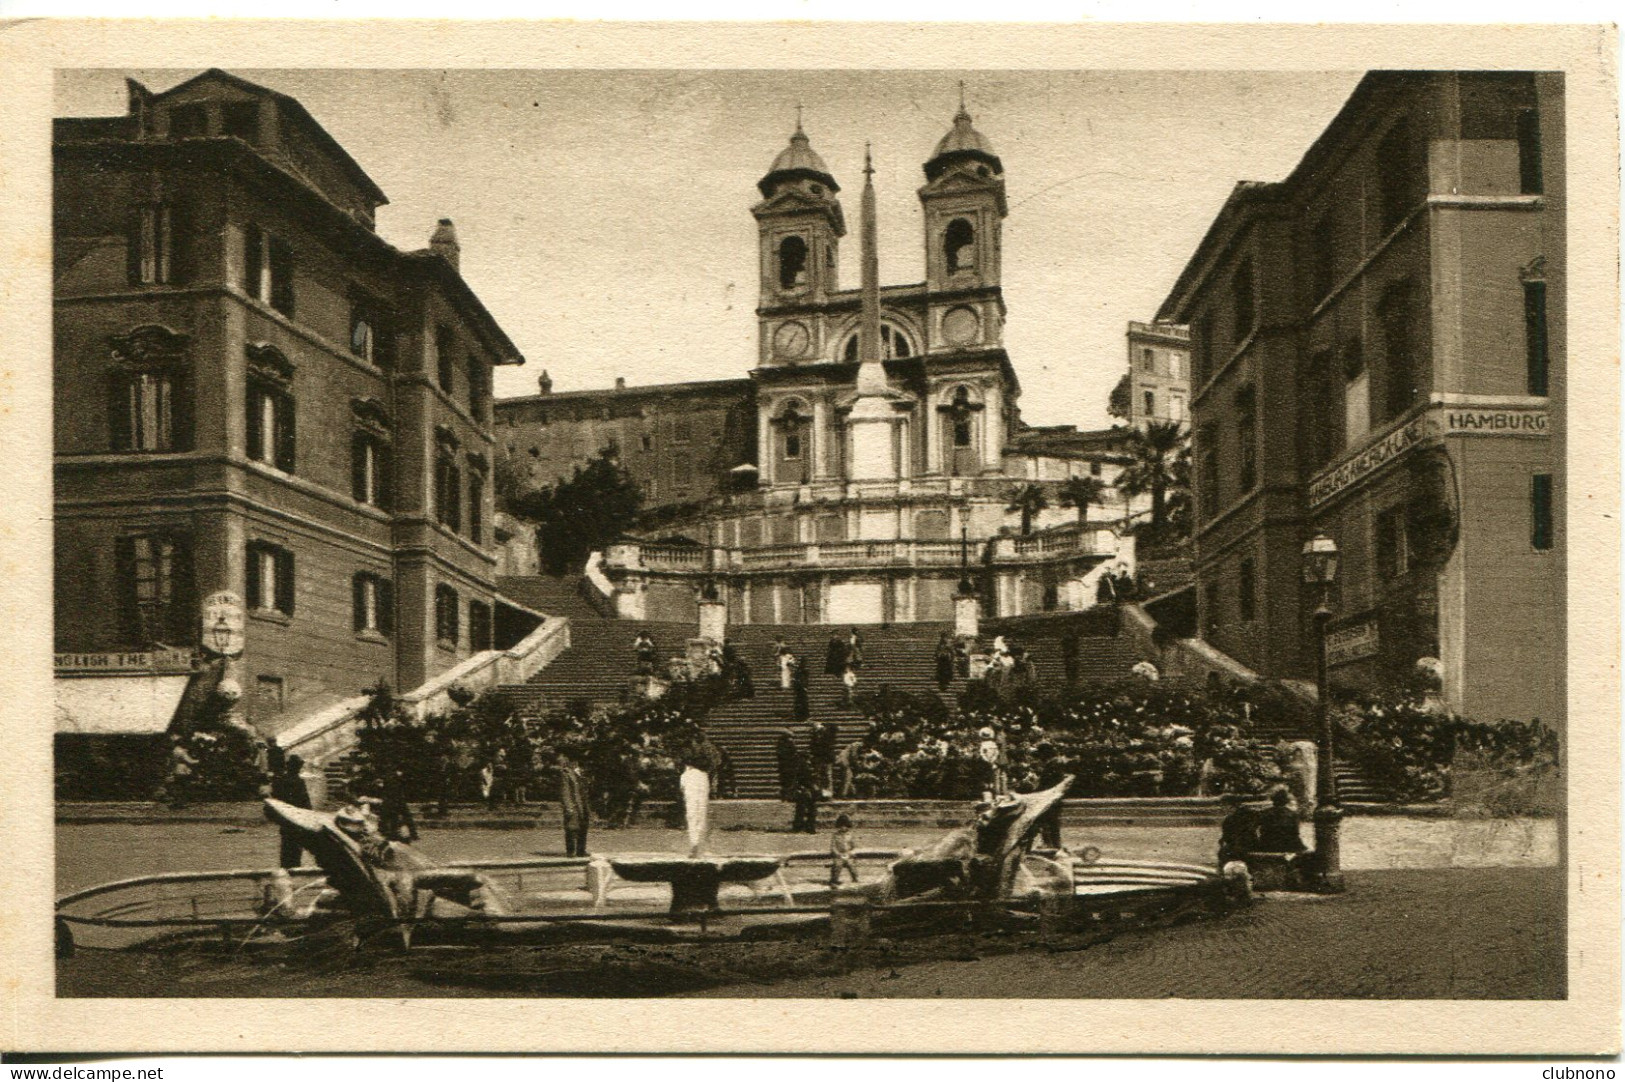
(799, 226)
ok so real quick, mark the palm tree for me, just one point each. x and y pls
(1155, 448)
(1029, 499)
(1083, 493)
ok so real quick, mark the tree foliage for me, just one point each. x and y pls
(1120, 404)
(1028, 500)
(1083, 493)
(578, 516)
(1155, 470)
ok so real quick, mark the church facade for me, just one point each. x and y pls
(887, 448)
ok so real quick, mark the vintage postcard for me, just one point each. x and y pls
(664, 519)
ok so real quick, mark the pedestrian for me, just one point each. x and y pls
(783, 657)
(488, 784)
(835, 656)
(1278, 826)
(842, 848)
(1051, 771)
(849, 684)
(944, 662)
(573, 803)
(698, 758)
(854, 650)
(181, 764)
(846, 769)
(822, 740)
(289, 787)
(800, 708)
(806, 794)
(1238, 832)
(962, 659)
(787, 757)
(643, 649)
(395, 820)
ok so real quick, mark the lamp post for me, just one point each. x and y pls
(1320, 559)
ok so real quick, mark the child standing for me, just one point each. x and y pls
(842, 846)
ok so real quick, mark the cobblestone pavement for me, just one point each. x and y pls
(88, 854)
(1454, 934)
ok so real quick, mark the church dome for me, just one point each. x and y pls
(962, 143)
(798, 161)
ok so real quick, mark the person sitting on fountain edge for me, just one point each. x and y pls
(842, 846)
(1278, 826)
(1238, 833)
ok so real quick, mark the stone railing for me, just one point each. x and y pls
(673, 557)
(330, 732)
(1063, 541)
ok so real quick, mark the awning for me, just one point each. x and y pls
(117, 704)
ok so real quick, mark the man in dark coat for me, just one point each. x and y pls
(821, 749)
(573, 802)
(854, 650)
(1238, 833)
(1278, 826)
(806, 794)
(788, 757)
(944, 662)
(835, 656)
(800, 708)
(289, 787)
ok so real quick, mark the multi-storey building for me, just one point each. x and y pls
(255, 394)
(887, 439)
(1379, 351)
(1159, 373)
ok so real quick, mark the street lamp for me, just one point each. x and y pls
(221, 634)
(1320, 559)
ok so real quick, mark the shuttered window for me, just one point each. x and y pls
(270, 583)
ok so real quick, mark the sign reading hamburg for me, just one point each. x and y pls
(1438, 421)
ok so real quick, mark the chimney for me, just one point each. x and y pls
(444, 241)
(620, 383)
(545, 382)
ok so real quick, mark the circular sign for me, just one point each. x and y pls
(791, 340)
(961, 326)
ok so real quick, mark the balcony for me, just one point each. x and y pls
(1065, 542)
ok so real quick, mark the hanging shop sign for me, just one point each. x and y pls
(1352, 643)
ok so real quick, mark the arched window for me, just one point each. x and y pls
(894, 343)
(961, 420)
(959, 246)
(792, 263)
(793, 425)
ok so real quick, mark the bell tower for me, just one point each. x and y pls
(964, 209)
(799, 226)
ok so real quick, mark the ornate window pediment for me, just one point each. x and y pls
(267, 362)
(149, 345)
(478, 462)
(371, 415)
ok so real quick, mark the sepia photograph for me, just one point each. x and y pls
(757, 533)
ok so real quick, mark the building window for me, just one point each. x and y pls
(1393, 544)
(269, 269)
(1397, 314)
(1356, 395)
(1322, 259)
(270, 578)
(1208, 479)
(188, 121)
(152, 246)
(1246, 436)
(792, 262)
(370, 338)
(1176, 408)
(241, 119)
(271, 428)
(1530, 181)
(445, 362)
(1176, 366)
(1245, 591)
(792, 445)
(476, 506)
(369, 470)
(648, 442)
(682, 430)
(448, 501)
(1148, 360)
(959, 246)
(153, 576)
(893, 344)
(476, 387)
(445, 616)
(962, 431)
(1095, 469)
(1540, 512)
(1398, 173)
(479, 625)
(1150, 403)
(373, 604)
(1244, 307)
(144, 413)
(1322, 440)
(1534, 325)
(1202, 348)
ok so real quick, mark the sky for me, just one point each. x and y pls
(605, 217)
